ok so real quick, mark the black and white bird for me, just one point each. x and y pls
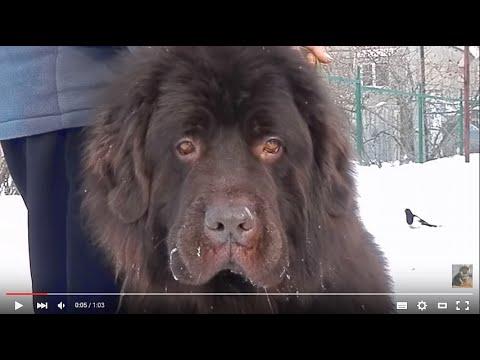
(414, 221)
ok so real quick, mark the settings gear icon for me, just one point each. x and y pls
(422, 305)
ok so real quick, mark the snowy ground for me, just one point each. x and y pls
(444, 192)
(14, 264)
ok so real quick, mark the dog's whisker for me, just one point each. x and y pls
(268, 300)
(199, 276)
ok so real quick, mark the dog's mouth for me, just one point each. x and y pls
(197, 262)
(233, 280)
(233, 273)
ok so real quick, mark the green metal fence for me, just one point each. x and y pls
(387, 124)
(395, 125)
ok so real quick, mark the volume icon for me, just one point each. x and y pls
(61, 305)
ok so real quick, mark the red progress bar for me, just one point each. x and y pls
(26, 293)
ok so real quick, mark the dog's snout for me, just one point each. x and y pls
(230, 223)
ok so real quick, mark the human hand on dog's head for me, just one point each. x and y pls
(316, 54)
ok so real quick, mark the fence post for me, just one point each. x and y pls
(466, 105)
(358, 116)
(421, 128)
(460, 125)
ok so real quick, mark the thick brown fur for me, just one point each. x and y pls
(145, 206)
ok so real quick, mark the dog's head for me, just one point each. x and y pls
(218, 159)
(464, 272)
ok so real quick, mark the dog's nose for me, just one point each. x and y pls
(230, 223)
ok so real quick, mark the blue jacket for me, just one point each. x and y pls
(48, 88)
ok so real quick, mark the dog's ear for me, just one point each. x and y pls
(332, 154)
(130, 195)
(330, 139)
(121, 162)
(115, 152)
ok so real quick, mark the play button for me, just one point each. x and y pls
(18, 305)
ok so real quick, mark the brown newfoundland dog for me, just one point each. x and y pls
(228, 170)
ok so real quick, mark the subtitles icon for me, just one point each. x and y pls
(402, 305)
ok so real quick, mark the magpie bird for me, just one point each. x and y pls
(413, 220)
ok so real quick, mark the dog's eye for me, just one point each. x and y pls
(269, 151)
(186, 147)
(272, 146)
